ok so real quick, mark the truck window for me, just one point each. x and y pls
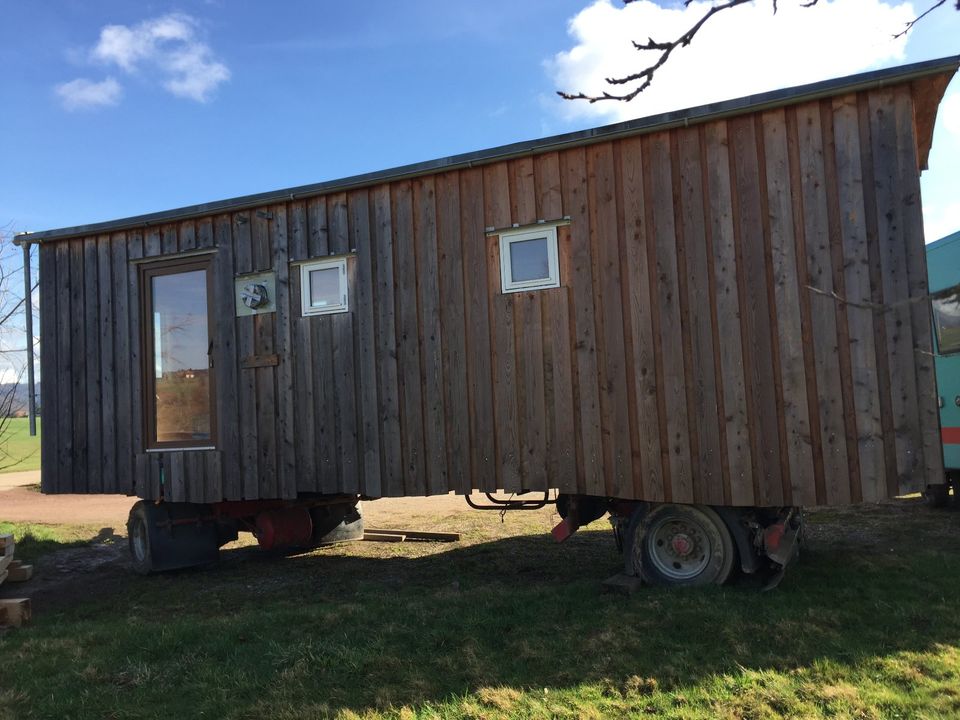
(946, 322)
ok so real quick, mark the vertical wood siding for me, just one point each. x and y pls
(697, 350)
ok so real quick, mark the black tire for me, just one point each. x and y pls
(937, 496)
(681, 546)
(334, 524)
(139, 539)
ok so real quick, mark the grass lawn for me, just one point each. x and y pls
(506, 624)
(19, 451)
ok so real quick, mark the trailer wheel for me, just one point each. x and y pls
(138, 537)
(681, 545)
(937, 496)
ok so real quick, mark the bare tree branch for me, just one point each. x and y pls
(645, 76)
(909, 25)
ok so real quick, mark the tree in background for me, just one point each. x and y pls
(665, 49)
(13, 350)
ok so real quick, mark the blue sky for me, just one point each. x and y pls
(117, 108)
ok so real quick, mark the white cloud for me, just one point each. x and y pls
(165, 48)
(168, 45)
(83, 94)
(739, 52)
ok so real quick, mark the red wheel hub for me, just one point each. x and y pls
(681, 544)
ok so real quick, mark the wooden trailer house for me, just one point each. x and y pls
(696, 315)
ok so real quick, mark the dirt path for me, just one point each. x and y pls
(26, 504)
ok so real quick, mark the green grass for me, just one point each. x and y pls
(505, 624)
(34, 540)
(19, 451)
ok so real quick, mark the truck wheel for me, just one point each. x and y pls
(681, 545)
(138, 537)
(937, 496)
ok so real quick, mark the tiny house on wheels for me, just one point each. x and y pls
(698, 322)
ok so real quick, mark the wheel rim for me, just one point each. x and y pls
(138, 542)
(678, 547)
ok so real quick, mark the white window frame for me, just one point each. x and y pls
(509, 237)
(305, 270)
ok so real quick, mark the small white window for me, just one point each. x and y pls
(323, 287)
(528, 259)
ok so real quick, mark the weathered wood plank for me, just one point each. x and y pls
(176, 478)
(430, 333)
(205, 234)
(575, 266)
(560, 431)
(247, 381)
(225, 354)
(476, 313)
(365, 341)
(532, 412)
(786, 287)
(51, 364)
(187, 236)
(168, 239)
(659, 202)
(870, 222)
(702, 379)
(452, 320)
(264, 333)
(123, 340)
(408, 346)
(856, 268)
(91, 361)
(737, 452)
(286, 399)
(76, 463)
(318, 242)
(758, 325)
(338, 224)
(640, 349)
(345, 391)
(931, 468)
(523, 193)
(608, 299)
(108, 416)
(386, 345)
(823, 309)
(548, 186)
(496, 213)
(134, 251)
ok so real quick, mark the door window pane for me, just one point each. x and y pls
(181, 365)
(529, 260)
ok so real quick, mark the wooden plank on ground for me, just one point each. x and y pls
(14, 612)
(18, 572)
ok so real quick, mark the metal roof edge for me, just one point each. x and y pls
(944, 241)
(662, 121)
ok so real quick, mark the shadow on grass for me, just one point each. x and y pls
(362, 628)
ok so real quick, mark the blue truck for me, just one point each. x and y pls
(943, 271)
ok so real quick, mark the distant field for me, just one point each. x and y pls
(19, 451)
